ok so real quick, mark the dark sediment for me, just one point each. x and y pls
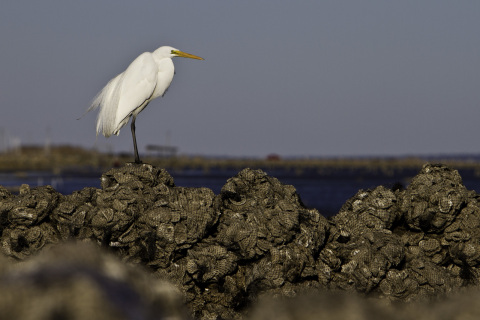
(226, 252)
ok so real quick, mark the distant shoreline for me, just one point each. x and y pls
(64, 159)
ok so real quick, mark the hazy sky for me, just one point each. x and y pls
(297, 78)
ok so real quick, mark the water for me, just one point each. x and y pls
(325, 192)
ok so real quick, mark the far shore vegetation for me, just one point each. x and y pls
(65, 157)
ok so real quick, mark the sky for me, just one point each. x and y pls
(296, 78)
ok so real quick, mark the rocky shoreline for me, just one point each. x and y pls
(222, 254)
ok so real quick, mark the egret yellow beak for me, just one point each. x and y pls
(182, 54)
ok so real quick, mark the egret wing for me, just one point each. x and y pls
(107, 101)
(136, 88)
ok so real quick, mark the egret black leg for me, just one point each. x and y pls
(137, 158)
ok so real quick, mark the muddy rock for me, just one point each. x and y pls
(340, 306)
(81, 281)
(323, 305)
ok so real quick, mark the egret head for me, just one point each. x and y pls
(170, 52)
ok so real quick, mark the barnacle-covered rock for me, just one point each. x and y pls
(367, 211)
(209, 263)
(434, 198)
(283, 264)
(463, 235)
(26, 220)
(421, 278)
(127, 193)
(256, 238)
(4, 193)
(362, 248)
(360, 263)
(246, 253)
(432, 279)
(135, 176)
(73, 212)
(259, 213)
(210, 268)
(265, 241)
(179, 218)
(21, 243)
(398, 285)
(31, 206)
(5, 206)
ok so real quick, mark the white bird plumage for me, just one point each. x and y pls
(125, 96)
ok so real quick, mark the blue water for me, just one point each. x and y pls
(327, 193)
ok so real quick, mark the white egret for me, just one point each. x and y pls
(146, 78)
